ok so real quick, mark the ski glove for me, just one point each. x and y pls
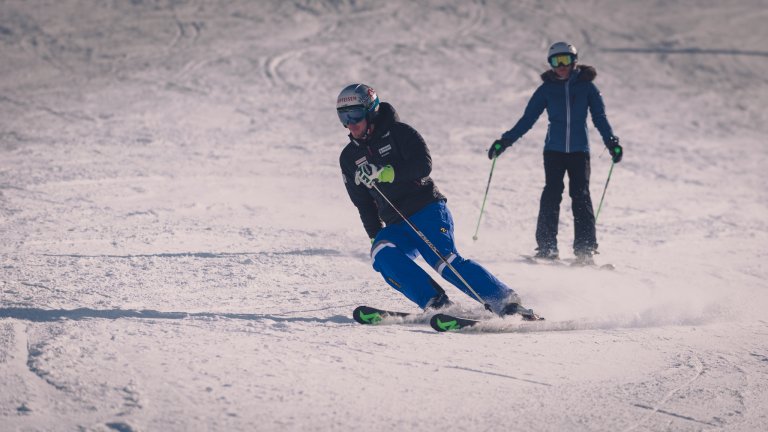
(498, 147)
(368, 173)
(616, 151)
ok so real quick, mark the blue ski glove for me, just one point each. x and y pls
(616, 151)
(498, 147)
(368, 173)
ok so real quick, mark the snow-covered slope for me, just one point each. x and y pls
(178, 251)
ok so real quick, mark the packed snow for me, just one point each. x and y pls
(178, 251)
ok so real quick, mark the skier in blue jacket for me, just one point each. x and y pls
(567, 93)
(391, 155)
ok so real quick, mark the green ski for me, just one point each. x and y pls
(372, 316)
(444, 323)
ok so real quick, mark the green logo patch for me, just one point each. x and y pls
(448, 325)
(371, 318)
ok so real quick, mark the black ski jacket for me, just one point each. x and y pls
(397, 144)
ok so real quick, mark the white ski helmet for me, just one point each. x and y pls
(562, 48)
(357, 102)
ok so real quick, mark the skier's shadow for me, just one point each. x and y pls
(51, 315)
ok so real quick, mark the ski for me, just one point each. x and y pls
(566, 262)
(368, 315)
(530, 259)
(575, 263)
(443, 323)
(372, 316)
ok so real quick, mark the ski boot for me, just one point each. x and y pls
(547, 253)
(440, 301)
(516, 309)
(584, 257)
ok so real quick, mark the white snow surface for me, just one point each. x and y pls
(179, 252)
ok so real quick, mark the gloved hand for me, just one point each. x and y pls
(497, 148)
(368, 173)
(387, 174)
(616, 151)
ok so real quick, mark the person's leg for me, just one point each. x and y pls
(549, 206)
(584, 239)
(436, 223)
(392, 255)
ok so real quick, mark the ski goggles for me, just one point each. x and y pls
(351, 114)
(561, 60)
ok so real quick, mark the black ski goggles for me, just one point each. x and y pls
(561, 60)
(351, 114)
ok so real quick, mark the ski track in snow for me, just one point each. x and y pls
(178, 252)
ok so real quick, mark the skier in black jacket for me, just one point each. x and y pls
(393, 156)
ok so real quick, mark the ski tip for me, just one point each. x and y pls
(444, 323)
(367, 315)
(371, 316)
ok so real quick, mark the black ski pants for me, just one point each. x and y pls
(556, 164)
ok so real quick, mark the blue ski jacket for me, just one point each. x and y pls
(566, 102)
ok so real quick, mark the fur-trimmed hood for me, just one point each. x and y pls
(584, 73)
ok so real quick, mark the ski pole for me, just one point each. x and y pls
(604, 189)
(434, 249)
(487, 187)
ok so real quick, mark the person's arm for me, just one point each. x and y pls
(600, 120)
(361, 199)
(597, 111)
(536, 105)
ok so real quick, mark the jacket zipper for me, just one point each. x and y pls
(568, 116)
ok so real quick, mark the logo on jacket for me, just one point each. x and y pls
(385, 150)
(361, 161)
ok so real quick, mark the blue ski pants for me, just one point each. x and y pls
(397, 246)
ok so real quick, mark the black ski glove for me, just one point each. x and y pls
(616, 151)
(498, 147)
